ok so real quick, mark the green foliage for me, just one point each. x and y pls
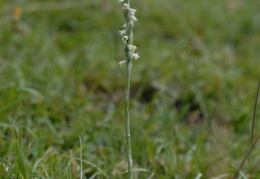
(60, 79)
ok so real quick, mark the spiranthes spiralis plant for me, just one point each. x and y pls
(127, 37)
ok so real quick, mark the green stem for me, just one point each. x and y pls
(127, 121)
(246, 157)
(127, 96)
(254, 115)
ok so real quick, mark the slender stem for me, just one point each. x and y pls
(246, 157)
(254, 115)
(127, 121)
(81, 165)
(253, 143)
(127, 96)
(129, 49)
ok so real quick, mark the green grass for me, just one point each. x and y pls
(60, 79)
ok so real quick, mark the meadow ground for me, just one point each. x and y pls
(193, 89)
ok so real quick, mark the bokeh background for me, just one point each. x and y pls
(192, 91)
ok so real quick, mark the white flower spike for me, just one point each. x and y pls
(120, 1)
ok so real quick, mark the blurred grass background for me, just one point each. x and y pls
(193, 89)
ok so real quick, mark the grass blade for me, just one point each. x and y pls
(253, 143)
(21, 166)
(81, 165)
(246, 157)
(254, 115)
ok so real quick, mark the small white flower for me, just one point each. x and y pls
(125, 38)
(132, 11)
(135, 56)
(125, 25)
(122, 32)
(125, 6)
(120, 1)
(133, 18)
(122, 62)
(132, 48)
(6, 167)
